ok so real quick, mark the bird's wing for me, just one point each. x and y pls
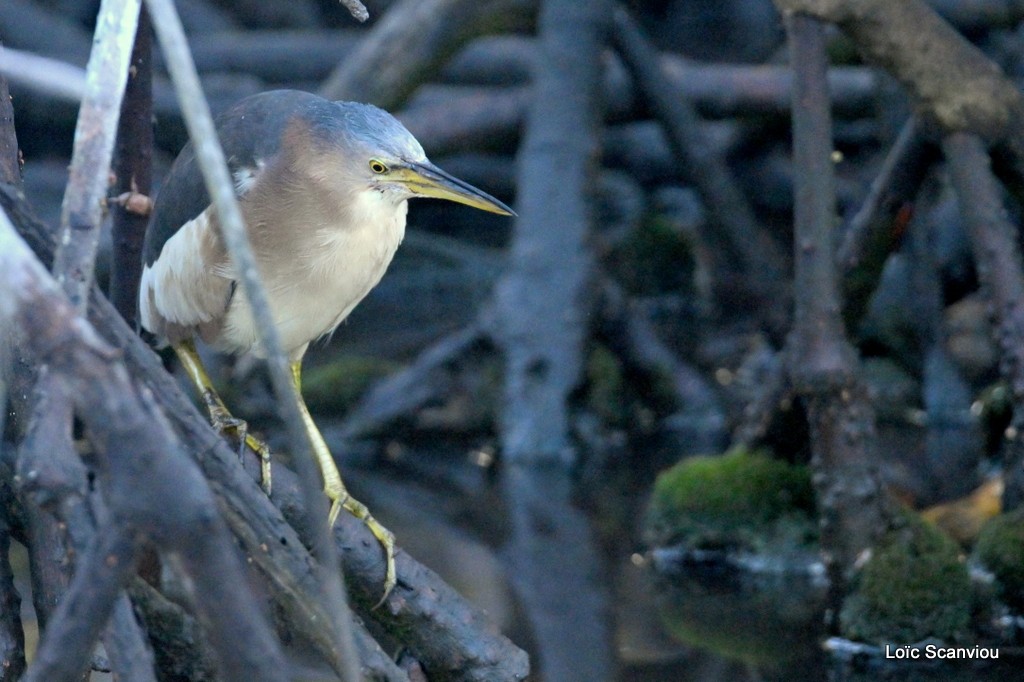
(186, 281)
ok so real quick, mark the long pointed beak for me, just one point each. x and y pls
(427, 180)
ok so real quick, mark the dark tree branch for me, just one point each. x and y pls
(126, 645)
(541, 301)
(998, 258)
(133, 160)
(473, 119)
(822, 364)
(878, 226)
(180, 649)
(85, 608)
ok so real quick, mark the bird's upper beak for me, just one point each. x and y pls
(427, 180)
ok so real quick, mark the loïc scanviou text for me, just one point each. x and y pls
(937, 652)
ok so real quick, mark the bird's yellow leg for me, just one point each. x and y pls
(335, 489)
(220, 417)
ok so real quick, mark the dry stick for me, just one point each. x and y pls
(761, 258)
(211, 161)
(822, 364)
(136, 450)
(12, 636)
(438, 624)
(997, 255)
(133, 161)
(413, 39)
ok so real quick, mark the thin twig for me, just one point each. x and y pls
(210, 158)
(133, 160)
(52, 77)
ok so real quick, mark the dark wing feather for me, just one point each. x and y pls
(249, 132)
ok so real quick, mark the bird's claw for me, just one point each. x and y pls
(224, 422)
(342, 500)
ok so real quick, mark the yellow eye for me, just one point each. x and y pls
(378, 166)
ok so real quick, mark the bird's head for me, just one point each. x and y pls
(380, 152)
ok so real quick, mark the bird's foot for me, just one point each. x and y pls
(340, 499)
(224, 422)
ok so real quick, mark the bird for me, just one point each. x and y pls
(323, 187)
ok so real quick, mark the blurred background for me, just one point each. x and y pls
(676, 341)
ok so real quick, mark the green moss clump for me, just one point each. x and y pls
(1000, 548)
(914, 586)
(335, 386)
(739, 500)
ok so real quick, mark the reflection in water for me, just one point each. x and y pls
(726, 625)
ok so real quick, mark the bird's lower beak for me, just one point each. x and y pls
(427, 180)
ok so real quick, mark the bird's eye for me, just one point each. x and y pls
(378, 166)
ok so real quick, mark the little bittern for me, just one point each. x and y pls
(324, 189)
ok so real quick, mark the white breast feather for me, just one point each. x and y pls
(179, 287)
(311, 297)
